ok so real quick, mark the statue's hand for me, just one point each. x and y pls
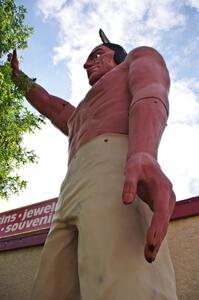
(14, 63)
(144, 177)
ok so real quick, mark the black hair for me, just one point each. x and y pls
(120, 52)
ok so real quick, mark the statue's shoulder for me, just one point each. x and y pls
(144, 52)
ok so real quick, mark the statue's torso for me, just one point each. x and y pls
(104, 109)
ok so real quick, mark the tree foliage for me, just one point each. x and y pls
(15, 119)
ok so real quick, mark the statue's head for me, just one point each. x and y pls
(103, 58)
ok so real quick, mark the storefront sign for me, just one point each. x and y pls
(27, 219)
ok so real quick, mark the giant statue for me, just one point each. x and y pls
(107, 239)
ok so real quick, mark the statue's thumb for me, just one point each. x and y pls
(129, 191)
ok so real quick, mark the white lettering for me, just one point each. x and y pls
(8, 219)
(43, 220)
(50, 218)
(21, 225)
(30, 213)
(53, 206)
(28, 223)
(8, 228)
(47, 209)
(24, 215)
(38, 211)
(35, 222)
(15, 226)
(13, 217)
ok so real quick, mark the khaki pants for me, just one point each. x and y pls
(95, 248)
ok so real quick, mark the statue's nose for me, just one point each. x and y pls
(88, 64)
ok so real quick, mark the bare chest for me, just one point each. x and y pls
(112, 87)
(107, 102)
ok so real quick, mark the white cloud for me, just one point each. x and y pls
(193, 3)
(184, 104)
(50, 6)
(191, 46)
(125, 20)
(130, 23)
(178, 155)
(164, 16)
(178, 152)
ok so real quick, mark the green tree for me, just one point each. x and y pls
(15, 119)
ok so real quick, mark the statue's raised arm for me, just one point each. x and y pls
(54, 108)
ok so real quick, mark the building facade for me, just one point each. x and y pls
(23, 232)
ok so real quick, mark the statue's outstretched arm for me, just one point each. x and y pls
(54, 108)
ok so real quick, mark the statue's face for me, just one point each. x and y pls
(99, 62)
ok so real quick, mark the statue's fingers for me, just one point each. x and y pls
(159, 225)
(15, 58)
(15, 53)
(151, 251)
(9, 57)
(129, 190)
(155, 235)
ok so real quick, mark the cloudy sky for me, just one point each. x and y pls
(65, 32)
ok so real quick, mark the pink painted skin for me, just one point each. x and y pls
(99, 62)
(148, 83)
(48, 105)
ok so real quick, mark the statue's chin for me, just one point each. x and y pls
(93, 80)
